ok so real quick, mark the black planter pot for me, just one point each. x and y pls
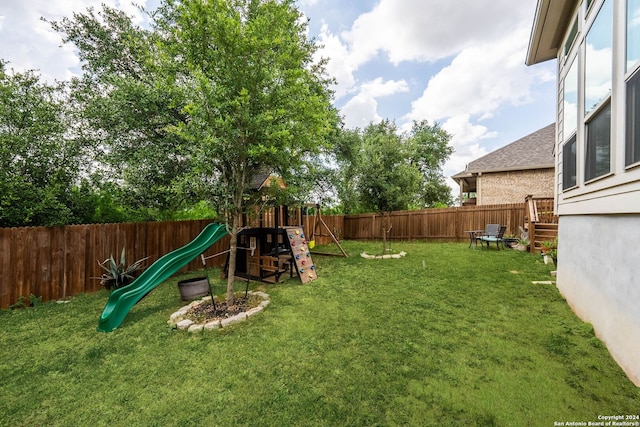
(511, 242)
(191, 289)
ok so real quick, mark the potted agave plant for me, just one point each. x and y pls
(118, 274)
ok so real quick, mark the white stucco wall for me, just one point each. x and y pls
(599, 275)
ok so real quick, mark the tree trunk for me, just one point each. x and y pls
(384, 233)
(233, 250)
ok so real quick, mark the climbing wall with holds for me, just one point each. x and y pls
(301, 254)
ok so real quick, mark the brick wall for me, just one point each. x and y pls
(514, 186)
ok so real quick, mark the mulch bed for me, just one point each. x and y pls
(205, 312)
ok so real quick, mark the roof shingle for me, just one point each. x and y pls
(534, 151)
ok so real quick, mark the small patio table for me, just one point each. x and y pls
(472, 236)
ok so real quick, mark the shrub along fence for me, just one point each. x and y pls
(58, 262)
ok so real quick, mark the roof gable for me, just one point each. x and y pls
(534, 151)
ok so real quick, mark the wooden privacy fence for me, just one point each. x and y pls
(442, 224)
(57, 262)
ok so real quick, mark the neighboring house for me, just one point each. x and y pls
(511, 173)
(597, 46)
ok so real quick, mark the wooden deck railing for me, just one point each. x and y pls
(540, 221)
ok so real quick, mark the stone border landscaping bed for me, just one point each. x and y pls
(177, 319)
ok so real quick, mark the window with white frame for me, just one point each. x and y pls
(572, 37)
(633, 121)
(598, 155)
(570, 101)
(597, 93)
(633, 34)
(569, 126)
(569, 163)
(632, 146)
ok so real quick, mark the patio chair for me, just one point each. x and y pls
(497, 237)
(490, 230)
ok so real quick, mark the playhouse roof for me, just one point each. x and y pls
(263, 179)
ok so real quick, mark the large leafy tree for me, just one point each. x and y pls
(257, 100)
(221, 89)
(387, 181)
(126, 101)
(380, 169)
(347, 145)
(39, 162)
(359, 155)
(429, 151)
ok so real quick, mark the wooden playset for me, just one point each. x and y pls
(269, 253)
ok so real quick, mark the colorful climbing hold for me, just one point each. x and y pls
(303, 262)
(297, 256)
(302, 270)
(293, 243)
(297, 231)
(313, 267)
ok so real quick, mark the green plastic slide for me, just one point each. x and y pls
(123, 299)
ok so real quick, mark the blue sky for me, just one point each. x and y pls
(459, 63)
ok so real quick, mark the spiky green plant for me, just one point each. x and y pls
(119, 274)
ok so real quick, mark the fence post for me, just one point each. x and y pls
(532, 237)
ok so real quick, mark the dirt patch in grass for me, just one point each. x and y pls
(206, 312)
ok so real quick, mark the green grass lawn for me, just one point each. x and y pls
(444, 336)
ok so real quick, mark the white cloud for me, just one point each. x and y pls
(1, 21)
(408, 30)
(361, 110)
(465, 140)
(480, 80)
(30, 43)
(339, 63)
(378, 87)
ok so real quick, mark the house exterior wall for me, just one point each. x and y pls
(599, 216)
(513, 186)
(598, 275)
